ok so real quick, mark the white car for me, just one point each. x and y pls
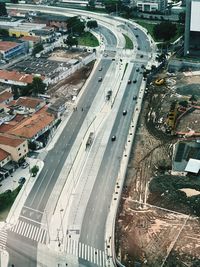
(25, 165)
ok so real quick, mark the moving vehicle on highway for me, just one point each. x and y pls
(99, 79)
(124, 112)
(113, 138)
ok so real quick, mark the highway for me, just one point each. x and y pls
(22, 250)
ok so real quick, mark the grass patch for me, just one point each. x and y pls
(88, 39)
(6, 201)
(150, 26)
(129, 43)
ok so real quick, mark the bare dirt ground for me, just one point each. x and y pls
(71, 86)
(146, 234)
(61, 55)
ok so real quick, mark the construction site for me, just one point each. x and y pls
(158, 219)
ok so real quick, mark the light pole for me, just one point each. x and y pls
(61, 219)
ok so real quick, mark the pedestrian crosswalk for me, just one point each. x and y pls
(30, 231)
(85, 252)
(3, 238)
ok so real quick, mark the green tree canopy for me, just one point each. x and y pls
(91, 4)
(14, 1)
(165, 30)
(92, 24)
(37, 86)
(37, 48)
(71, 41)
(3, 10)
(4, 33)
(112, 5)
(76, 25)
(181, 17)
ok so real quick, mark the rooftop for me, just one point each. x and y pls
(32, 125)
(5, 95)
(10, 140)
(16, 76)
(193, 166)
(3, 154)
(30, 38)
(5, 45)
(29, 102)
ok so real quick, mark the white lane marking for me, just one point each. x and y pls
(36, 233)
(26, 229)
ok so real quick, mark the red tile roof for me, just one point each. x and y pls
(34, 39)
(29, 102)
(5, 127)
(32, 125)
(10, 140)
(5, 95)
(5, 46)
(17, 76)
(3, 154)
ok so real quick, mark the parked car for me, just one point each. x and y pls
(124, 112)
(22, 180)
(129, 81)
(134, 97)
(25, 165)
(99, 79)
(134, 81)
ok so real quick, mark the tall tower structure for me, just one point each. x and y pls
(192, 28)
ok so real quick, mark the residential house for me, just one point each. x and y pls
(32, 40)
(27, 105)
(35, 127)
(17, 147)
(6, 97)
(17, 78)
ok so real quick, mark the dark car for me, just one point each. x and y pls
(134, 81)
(124, 112)
(22, 180)
(136, 35)
(113, 138)
(129, 81)
(137, 69)
(134, 97)
(141, 56)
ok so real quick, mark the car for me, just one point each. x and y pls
(113, 59)
(99, 79)
(100, 69)
(141, 56)
(136, 36)
(137, 69)
(22, 180)
(25, 165)
(105, 54)
(134, 81)
(113, 138)
(135, 28)
(129, 81)
(124, 112)
(138, 48)
(134, 97)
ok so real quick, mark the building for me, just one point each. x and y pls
(17, 78)
(5, 157)
(193, 166)
(6, 97)
(52, 20)
(32, 40)
(15, 146)
(27, 105)
(192, 28)
(34, 127)
(152, 5)
(9, 50)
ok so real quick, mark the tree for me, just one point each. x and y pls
(181, 17)
(14, 1)
(4, 33)
(37, 48)
(92, 24)
(91, 4)
(71, 41)
(112, 5)
(3, 10)
(34, 170)
(37, 86)
(76, 26)
(165, 31)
